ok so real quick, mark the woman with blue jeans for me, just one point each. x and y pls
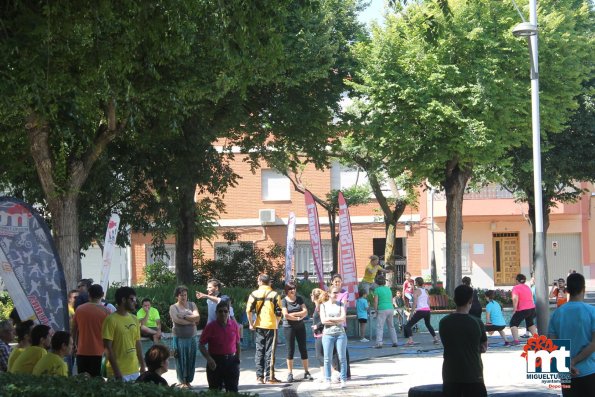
(332, 316)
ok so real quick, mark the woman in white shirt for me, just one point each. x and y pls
(421, 310)
(332, 316)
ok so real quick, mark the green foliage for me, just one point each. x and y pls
(6, 305)
(504, 297)
(437, 291)
(12, 385)
(157, 274)
(240, 265)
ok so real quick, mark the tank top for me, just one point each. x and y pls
(422, 301)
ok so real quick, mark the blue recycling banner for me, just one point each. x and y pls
(30, 267)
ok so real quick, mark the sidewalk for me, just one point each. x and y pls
(387, 371)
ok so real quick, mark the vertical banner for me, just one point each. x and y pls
(315, 241)
(347, 267)
(30, 266)
(289, 247)
(108, 248)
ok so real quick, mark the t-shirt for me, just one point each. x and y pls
(525, 297)
(150, 376)
(385, 298)
(408, 287)
(51, 364)
(370, 273)
(292, 307)
(462, 335)
(153, 317)
(14, 354)
(124, 332)
(575, 321)
(496, 317)
(332, 310)
(221, 340)
(362, 305)
(212, 308)
(89, 318)
(26, 361)
(560, 294)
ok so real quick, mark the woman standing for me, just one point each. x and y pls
(383, 306)
(294, 311)
(318, 296)
(332, 316)
(184, 316)
(421, 310)
(343, 297)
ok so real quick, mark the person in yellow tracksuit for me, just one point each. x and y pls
(266, 304)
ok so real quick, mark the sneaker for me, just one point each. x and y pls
(516, 342)
(342, 384)
(364, 340)
(273, 381)
(395, 345)
(335, 377)
(506, 343)
(307, 376)
(290, 378)
(378, 346)
(260, 380)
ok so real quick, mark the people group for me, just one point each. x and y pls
(107, 342)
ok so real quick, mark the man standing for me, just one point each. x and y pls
(121, 339)
(150, 322)
(464, 339)
(575, 320)
(223, 357)
(370, 273)
(266, 303)
(86, 331)
(214, 297)
(6, 337)
(83, 292)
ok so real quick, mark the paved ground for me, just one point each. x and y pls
(383, 372)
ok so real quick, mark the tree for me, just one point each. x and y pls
(443, 92)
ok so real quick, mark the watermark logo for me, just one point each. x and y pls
(548, 361)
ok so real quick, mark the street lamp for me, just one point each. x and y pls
(528, 30)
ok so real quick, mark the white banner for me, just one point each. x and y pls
(347, 267)
(108, 248)
(289, 246)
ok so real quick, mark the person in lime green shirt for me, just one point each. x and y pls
(150, 321)
(121, 337)
(370, 273)
(53, 363)
(40, 342)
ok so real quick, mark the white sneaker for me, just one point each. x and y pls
(335, 377)
(364, 340)
(343, 384)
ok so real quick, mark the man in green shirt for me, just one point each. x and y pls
(464, 339)
(150, 321)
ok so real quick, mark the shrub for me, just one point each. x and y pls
(158, 273)
(42, 386)
(6, 305)
(504, 297)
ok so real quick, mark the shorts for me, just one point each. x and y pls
(528, 315)
(491, 327)
(362, 320)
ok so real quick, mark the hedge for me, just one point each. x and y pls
(12, 385)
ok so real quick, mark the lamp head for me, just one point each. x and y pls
(524, 29)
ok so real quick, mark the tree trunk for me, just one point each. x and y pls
(454, 186)
(185, 233)
(65, 230)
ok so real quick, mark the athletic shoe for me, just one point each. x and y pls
(260, 380)
(342, 384)
(364, 340)
(378, 346)
(335, 377)
(516, 342)
(506, 343)
(395, 345)
(307, 376)
(273, 381)
(290, 378)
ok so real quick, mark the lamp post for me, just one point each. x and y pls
(528, 30)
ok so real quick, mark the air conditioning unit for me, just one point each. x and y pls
(266, 216)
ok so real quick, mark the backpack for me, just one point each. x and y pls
(263, 299)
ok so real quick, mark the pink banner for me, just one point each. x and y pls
(347, 267)
(315, 242)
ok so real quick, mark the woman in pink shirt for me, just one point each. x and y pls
(523, 307)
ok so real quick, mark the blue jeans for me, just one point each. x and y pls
(328, 343)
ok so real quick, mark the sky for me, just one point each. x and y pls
(373, 12)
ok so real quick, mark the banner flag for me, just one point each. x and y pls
(290, 246)
(30, 266)
(108, 248)
(315, 241)
(347, 267)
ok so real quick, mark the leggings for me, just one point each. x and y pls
(292, 333)
(418, 315)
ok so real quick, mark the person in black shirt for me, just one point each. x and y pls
(294, 311)
(156, 359)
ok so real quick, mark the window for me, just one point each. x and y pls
(304, 260)
(465, 258)
(343, 177)
(169, 259)
(225, 250)
(275, 186)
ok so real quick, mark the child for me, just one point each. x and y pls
(53, 363)
(400, 310)
(362, 307)
(494, 318)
